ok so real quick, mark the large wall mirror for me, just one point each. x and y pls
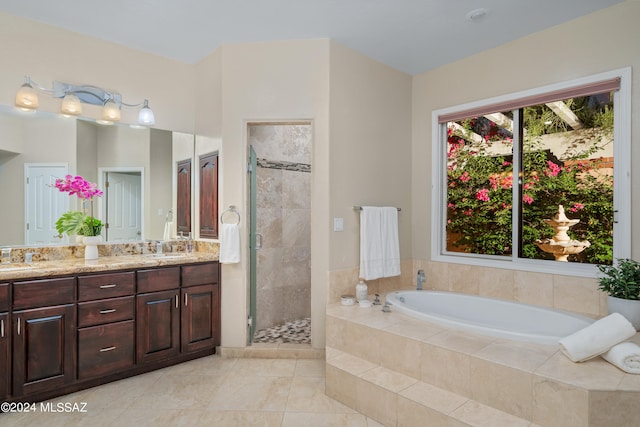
(135, 167)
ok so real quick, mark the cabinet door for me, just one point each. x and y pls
(199, 329)
(209, 196)
(157, 326)
(183, 217)
(44, 346)
(4, 356)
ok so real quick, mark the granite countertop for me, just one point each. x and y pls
(15, 271)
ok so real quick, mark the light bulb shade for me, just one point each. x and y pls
(71, 105)
(111, 112)
(27, 98)
(146, 117)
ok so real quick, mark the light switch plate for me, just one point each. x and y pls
(338, 224)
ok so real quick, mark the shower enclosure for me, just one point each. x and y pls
(280, 231)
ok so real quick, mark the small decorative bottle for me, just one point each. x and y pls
(361, 291)
(190, 243)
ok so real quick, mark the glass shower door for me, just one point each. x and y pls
(253, 243)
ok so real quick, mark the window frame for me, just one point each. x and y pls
(621, 191)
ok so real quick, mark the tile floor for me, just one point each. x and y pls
(212, 391)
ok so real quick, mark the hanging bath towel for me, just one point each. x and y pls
(379, 245)
(229, 244)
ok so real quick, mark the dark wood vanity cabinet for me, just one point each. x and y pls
(200, 307)
(5, 367)
(177, 311)
(63, 334)
(106, 311)
(44, 335)
(158, 314)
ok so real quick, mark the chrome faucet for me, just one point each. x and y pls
(421, 279)
(387, 307)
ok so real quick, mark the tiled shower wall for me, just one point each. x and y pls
(283, 206)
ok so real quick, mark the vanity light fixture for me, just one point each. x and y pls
(27, 98)
(145, 116)
(74, 95)
(71, 105)
(110, 111)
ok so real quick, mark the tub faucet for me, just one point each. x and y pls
(421, 279)
(386, 307)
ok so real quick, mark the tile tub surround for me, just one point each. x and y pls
(402, 371)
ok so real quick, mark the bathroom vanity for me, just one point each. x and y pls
(68, 325)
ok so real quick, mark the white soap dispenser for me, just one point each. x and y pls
(361, 291)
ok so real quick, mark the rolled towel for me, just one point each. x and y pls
(625, 356)
(597, 338)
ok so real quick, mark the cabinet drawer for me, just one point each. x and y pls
(105, 349)
(105, 311)
(4, 297)
(200, 274)
(158, 279)
(44, 293)
(106, 286)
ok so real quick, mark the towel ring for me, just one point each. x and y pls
(230, 209)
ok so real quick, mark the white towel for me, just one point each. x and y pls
(379, 245)
(597, 338)
(625, 356)
(229, 244)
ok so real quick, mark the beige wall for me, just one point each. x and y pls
(160, 182)
(370, 155)
(599, 42)
(47, 53)
(50, 138)
(265, 82)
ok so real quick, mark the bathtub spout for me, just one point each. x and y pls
(421, 279)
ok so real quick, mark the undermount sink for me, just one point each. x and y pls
(169, 255)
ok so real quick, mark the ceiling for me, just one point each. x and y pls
(410, 35)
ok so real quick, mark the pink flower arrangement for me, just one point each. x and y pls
(77, 222)
(78, 186)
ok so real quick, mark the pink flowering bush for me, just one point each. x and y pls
(78, 222)
(479, 200)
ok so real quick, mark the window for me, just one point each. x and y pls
(507, 166)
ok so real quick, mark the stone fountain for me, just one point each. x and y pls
(561, 245)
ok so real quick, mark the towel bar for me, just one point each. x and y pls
(359, 208)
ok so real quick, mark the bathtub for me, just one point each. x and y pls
(494, 317)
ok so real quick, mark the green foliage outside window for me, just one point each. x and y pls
(480, 188)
